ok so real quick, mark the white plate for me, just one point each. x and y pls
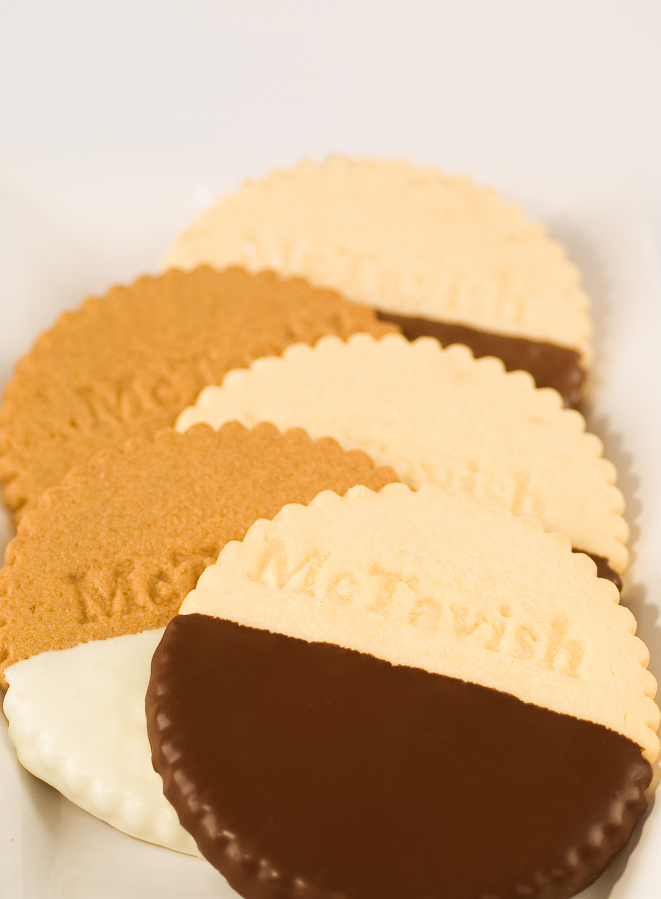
(67, 230)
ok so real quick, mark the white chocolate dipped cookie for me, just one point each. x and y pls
(445, 257)
(100, 564)
(437, 692)
(438, 415)
(77, 721)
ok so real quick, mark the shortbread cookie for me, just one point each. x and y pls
(125, 364)
(438, 416)
(404, 694)
(436, 254)
(113, 552)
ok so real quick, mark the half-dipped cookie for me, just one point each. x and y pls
(434, 254)
(404, 694)
(101, 564)
(438, 415)
(125, 364)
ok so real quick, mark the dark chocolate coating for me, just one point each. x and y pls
(309, 771)
(549, 364)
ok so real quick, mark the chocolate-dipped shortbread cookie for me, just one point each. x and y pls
(404, 694)
(434, 254)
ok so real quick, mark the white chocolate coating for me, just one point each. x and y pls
(77, 721)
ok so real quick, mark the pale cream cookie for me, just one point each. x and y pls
(404, 690)
(438, 415)
(435, 251)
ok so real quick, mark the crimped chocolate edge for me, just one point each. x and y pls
(307, 770)
(549, 364)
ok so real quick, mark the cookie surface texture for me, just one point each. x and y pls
(438, 415)
(444, 701)
(116, 548)
(415, 243)
(125, 364)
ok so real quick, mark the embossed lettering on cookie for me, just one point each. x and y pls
(403, 694)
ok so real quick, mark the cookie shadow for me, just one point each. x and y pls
(7, 530)
(600, 288)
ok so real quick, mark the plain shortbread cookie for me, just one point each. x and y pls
(438, 415)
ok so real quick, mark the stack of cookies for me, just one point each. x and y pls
(317, 569)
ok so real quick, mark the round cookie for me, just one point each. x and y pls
(438, 415)
(109, 555)
(125, 364)
(434, 254)
(404, 694)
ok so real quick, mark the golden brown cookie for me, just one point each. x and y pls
(117, 547)
(125, 364)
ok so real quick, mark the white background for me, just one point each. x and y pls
(119, 121)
